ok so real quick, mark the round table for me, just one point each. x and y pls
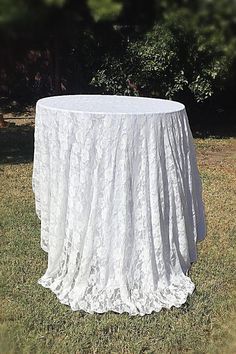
(118, 193)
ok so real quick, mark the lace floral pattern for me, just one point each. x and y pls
(120, 202)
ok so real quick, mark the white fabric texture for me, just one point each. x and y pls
(118, 193)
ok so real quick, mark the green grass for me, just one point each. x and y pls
(33, 321)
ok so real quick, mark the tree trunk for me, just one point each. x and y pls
(3, 123)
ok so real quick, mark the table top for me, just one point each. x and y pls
(110, 104)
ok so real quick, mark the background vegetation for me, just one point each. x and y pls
(183, 49)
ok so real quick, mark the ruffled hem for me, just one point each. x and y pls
(133, 302)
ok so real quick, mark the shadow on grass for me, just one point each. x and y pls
(212, 123)
(213, 131)
(16, 144)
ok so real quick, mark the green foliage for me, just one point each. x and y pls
(20, 15)
(105, 9)
(189, 52)
(172, 58)
(12, 10)
(59, 3)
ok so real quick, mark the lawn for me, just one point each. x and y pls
(33, 320)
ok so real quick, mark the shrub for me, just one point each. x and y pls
(173, 57)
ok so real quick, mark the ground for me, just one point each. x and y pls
(33, 321)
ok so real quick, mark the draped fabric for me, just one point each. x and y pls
(118, 193)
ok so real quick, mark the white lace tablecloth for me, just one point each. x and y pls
(118, 194)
